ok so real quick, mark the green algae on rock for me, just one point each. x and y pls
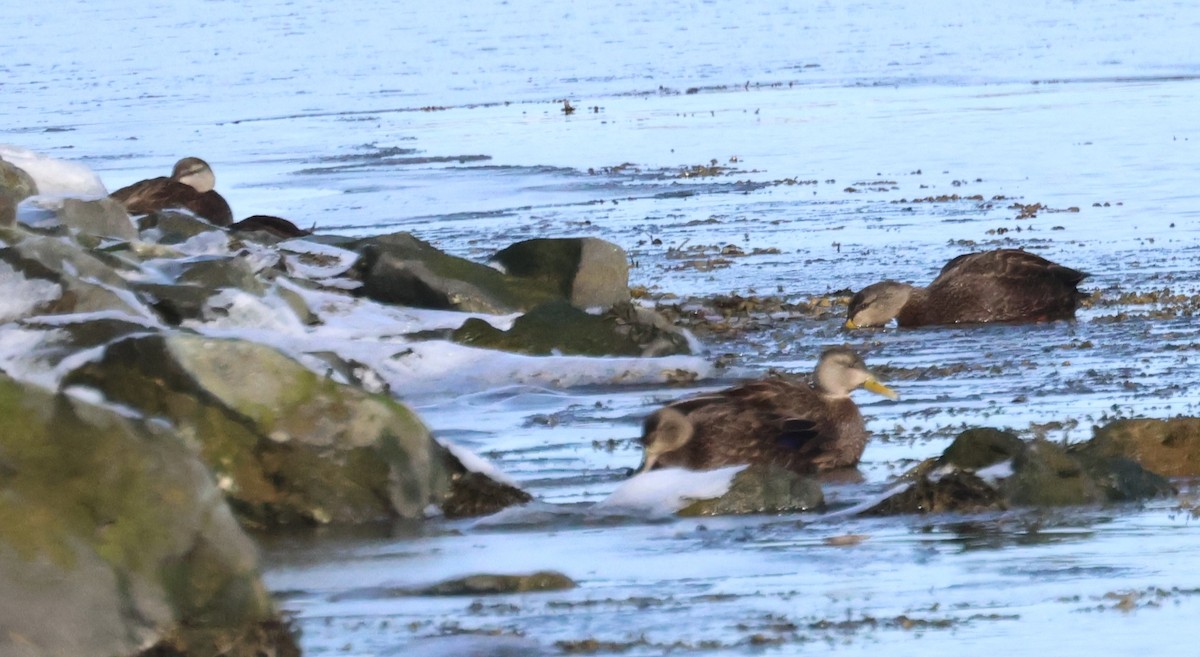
(287, 445)
(588, 272)
(763, 488)
(114, 537)
(559, 327)
(404, 270)
(1170, 448)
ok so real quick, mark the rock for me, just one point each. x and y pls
(475, 494)
(172, 226)
(8, 211)
(763, 488)
(57, 277)
(401, 269)
(956, 492)
(485, 584)
(220, 272)
(559, 327)
(972, 476)
(101, 218)
(289, 446)
(588, 272)
(115, 541)
(15, 183)
(173, 303)
(1170, 448)
(978, 448)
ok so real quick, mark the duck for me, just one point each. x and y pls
(190, 186)
(806, 427)
(1002, 285)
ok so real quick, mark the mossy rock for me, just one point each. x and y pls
(978, 448)
(401, 269)
(763, 488)
(588, 272)
(113, 537)
(488, 584)
(221, 272)
(955, 492)
(15, 183)
(290, 446)
(1170, 448)
(559, 327)
(1042, 474)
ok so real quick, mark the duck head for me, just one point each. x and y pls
(840, 370)
(877, 304)
(665, 430)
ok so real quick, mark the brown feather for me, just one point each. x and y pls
(784, 421)
(1004, 285)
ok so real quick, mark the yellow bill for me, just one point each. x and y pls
(878, 388)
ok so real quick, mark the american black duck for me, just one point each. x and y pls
(190, 187)
(802, 426)
(1005, 285)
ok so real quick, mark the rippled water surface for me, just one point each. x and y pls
(855, 141)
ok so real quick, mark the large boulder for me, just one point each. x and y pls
(115, 541)
(559, 327)
(588, 272)
(287, 445)
(1170, 448)
(401, 269)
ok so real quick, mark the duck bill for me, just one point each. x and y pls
(878, 388)
(850, 325)
(647, 463)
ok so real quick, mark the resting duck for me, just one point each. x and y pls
(190, 187)
(1005, 285)
(804, 427)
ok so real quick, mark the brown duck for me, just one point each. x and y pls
(190, 187)
(1005, 285)
(800, 426)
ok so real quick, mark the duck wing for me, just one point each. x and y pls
(161, 193)
(770, 421)
(1004, 285)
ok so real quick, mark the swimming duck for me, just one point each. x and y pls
(190, 186)
(1005, 285)
(800, 426)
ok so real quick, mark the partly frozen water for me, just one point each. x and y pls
(856, 141)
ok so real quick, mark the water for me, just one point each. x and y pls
(831, 120)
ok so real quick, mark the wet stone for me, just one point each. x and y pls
(763, 488)
(1170, 448)
(487, 584)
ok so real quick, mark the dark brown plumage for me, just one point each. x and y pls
(263, 223)
(1005, 285)
(805, 427)
(189, 187)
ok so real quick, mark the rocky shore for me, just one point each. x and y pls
(168, 391)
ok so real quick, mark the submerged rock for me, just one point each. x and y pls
(559, 327)
(763, 488)
(115, 541)
(1170, 448)
(486, 584)
(588, 272)
(987, 469)
(288, 446)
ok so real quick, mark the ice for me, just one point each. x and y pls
(665, 491)
(55, 178)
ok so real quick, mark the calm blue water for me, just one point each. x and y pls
(445, 119)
